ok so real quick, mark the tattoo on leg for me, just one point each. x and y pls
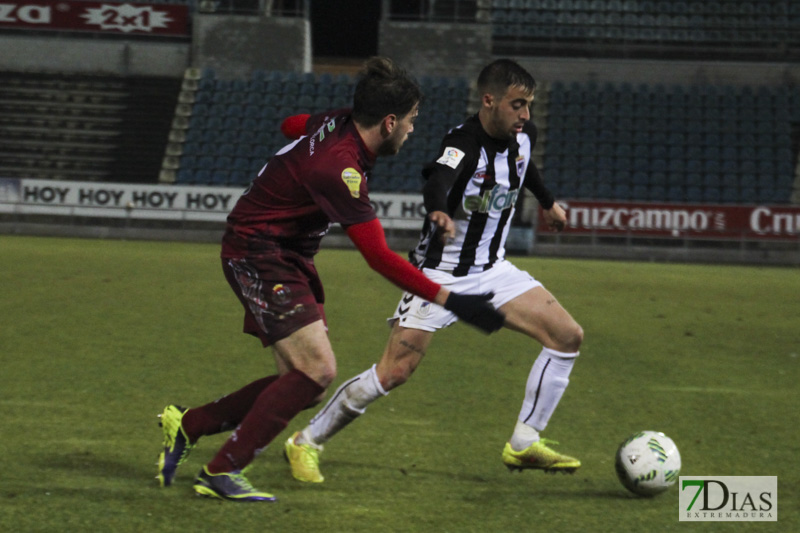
(411, 347)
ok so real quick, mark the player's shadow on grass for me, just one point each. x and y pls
(89, 463)
(540, 479)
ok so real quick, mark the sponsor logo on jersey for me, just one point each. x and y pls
(352, 178)
(451, 157)
(496, 200)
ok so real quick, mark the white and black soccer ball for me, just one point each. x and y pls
(648, 463)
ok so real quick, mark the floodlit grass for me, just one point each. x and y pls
(97, 336)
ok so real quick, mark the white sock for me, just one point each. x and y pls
(348, 403)
(547, 382)
(524, 435)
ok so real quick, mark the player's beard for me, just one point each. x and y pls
(391, 146)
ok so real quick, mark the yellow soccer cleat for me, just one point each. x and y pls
(539, 456)
(304, 460)
(232, 486)
(176, 444)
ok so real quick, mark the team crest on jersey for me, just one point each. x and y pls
(451, 157)
(424, 309)
(520, 165)
(352, 178)
(280, 294)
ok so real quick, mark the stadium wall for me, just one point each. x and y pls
(437, 49)
(80, 55)
(234, 46)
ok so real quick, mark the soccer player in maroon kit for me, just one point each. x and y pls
(268, 251)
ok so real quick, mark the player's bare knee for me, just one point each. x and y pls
(570, 339)
(323, 373)
(327, 377)
(574, 339)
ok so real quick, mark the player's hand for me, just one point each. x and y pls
(555, 217)
(476, 310)
(445, 226)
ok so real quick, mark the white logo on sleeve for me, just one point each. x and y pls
(451, 157)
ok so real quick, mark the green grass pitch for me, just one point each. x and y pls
(97, 336)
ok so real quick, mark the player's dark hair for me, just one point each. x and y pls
(384, 88)
(499, 75)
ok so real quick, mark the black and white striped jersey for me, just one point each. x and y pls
(482, 177)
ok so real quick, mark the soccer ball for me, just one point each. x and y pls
(648, 463)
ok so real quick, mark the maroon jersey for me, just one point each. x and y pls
(315, 181)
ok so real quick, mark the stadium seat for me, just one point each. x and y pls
(201, 176)
(219, 177)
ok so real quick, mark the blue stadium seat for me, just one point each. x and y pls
(657, 193)
(192, 148)
(640, 192)
(676, 193)
(219, 177)
(712, 194)
(184, 176)
(239, 177)
(622, 191)
(201, 176)
(694, 194)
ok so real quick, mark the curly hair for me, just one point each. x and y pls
(384, 88)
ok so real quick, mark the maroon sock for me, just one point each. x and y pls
(271, 413)
(223, 414)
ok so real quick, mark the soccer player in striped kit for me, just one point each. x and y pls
(469, 195)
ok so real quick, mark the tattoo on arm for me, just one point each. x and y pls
(410, 347)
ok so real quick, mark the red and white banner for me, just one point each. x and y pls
(127, 18)
(642, 219)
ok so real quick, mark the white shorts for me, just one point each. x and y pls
(504, 279)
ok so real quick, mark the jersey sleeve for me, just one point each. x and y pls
(456, 153)
(533, 178)
(370, 240)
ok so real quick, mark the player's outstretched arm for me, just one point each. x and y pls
(474, 309)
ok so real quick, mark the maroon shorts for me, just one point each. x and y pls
(281, 292)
